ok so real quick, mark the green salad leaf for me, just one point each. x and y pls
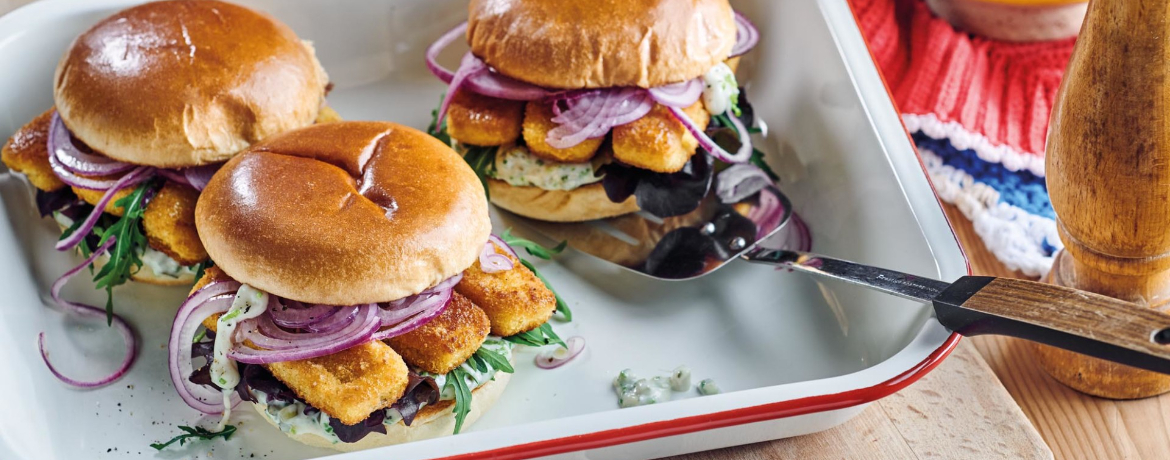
(539, 337)
(196, 433)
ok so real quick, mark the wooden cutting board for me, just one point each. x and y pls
(958, 411)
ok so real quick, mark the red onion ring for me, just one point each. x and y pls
(681, 95)
(294, 315)
(356, 334)
(503, 245)
(216, 297)
(484, 80)
(551, 360)
(132, 178)
(89, 311)
(591, 114)
(491, 261)
(746, 35)
(198, 176)
(413, 322)
(740, 181)
(469, 65)
(745, 149)
(173, 175)
(264, 333)
(438, 46)
(65, 152)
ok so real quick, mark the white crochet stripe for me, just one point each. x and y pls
(962, 139)
(1013, 235)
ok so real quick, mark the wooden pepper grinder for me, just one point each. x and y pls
(1108, 172)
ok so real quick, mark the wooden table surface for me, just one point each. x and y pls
(956, 412)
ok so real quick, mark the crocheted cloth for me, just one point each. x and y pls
(978, 111)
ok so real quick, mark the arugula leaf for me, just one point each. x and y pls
(437, 128)
(722, 122)
(196, 433)
(538, 337)
(532, 247)
(496, 360)
(129, 242)
(202, 267)
(457, 380)
(483, 161)
(562, 306)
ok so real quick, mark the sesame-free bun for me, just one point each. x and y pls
(185, 83)
(431, 422)
(601, 43)
(344, 213)
(583, 203)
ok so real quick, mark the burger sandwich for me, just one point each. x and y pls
(358, 298)
(147, 104)
(575, 111)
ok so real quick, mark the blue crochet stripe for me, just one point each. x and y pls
(1021, 189)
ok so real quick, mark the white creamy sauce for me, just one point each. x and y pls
(291, 418)
(249, 303)
(516, 166)
(720, 90)
(157, 261)
(476, 378)
(634, 391)
(164, 265)
(708, 387)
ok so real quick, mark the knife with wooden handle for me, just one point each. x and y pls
(1071, 319)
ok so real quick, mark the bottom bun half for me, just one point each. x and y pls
(431, 422)
(584, 203)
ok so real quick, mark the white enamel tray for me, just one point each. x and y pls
(794, 355)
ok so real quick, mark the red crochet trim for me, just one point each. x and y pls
(1001, 90)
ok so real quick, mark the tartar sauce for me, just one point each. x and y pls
(156, 261)
(720, 90)
(633, 391)
(708, 387)
(516, 166)
(476, 378)
(249, 303)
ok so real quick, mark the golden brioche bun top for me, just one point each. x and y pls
(601, 43)
(344, 213)
(185, 83)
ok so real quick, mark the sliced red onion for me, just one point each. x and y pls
(740, 181)
(66, 153)
(745, 149)
(132, 178)
(767, 213)
(438, 46)
(216, 297)
(295, 315)
(491, 261)
(199, 176)
(794, 236)
(413, 322)
(558, 356)
(89, 311)
(591, 114)
(500, 243)
(483, 80)
(680, 95)
(359, 332)
(265, 334)
(173, 175)
(468, 66)
(746, 35)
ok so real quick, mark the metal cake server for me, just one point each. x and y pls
(1080, 321)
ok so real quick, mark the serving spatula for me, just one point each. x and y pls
(1071, 319)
